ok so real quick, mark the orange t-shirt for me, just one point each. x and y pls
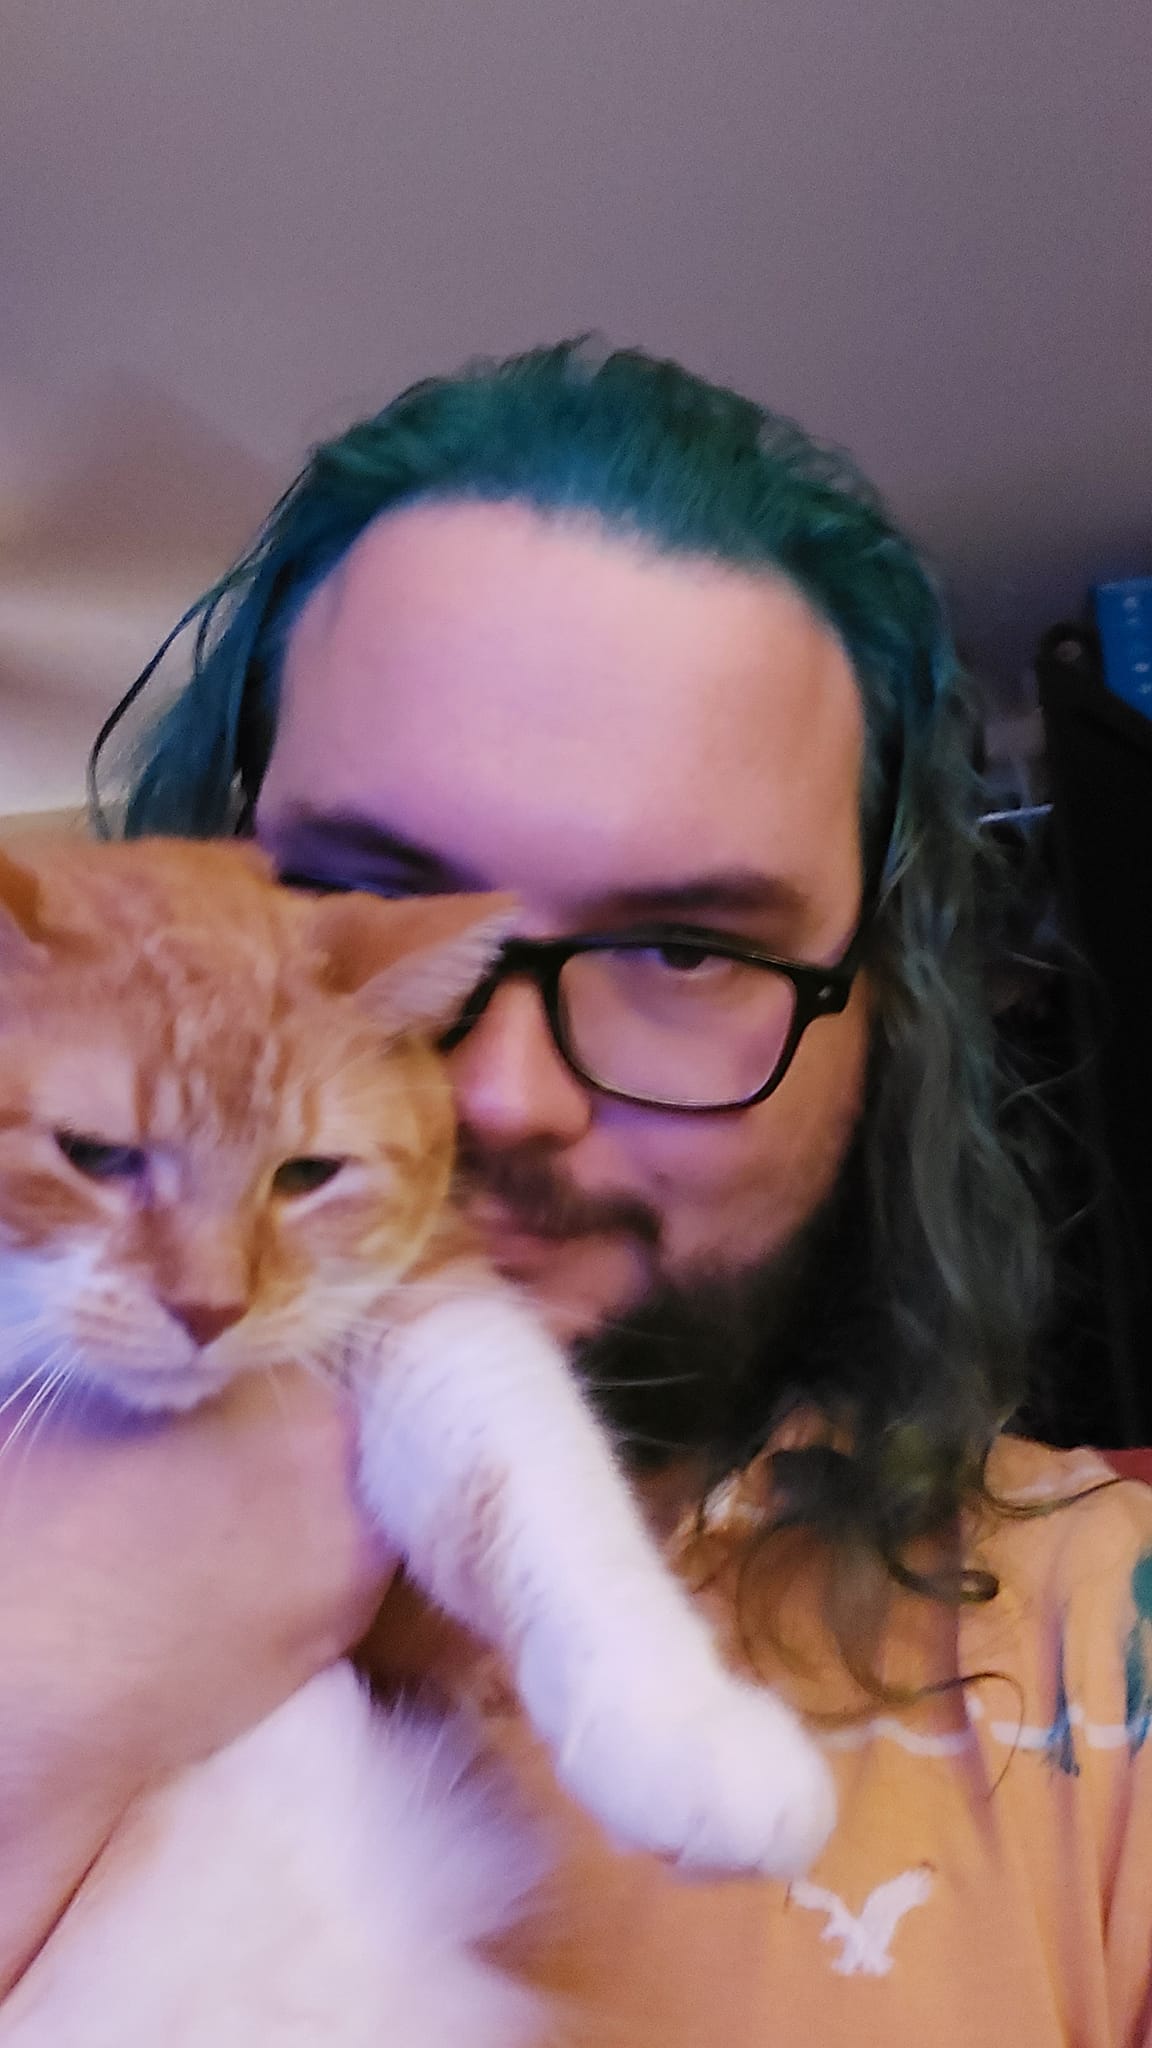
(990, 1877)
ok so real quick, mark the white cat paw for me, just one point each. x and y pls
(713, 1773)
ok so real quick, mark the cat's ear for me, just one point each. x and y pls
(410, 963)
(19, 915)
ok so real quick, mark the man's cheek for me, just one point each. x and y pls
(734, 1202)
(705, 1162)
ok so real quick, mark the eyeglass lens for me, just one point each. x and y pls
(670, 1024)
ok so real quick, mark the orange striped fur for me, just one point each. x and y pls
(171, 997)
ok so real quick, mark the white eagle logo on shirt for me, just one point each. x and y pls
(866, 1937)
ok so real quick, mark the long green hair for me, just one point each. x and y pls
(653, 452)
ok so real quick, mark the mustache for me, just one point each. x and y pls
(526, 1184)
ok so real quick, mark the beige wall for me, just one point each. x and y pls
(922, 225)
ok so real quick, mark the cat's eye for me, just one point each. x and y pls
(98, 1160)
(304, 1176)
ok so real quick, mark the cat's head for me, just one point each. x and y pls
(222, 1132)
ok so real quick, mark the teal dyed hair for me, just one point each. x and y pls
(644, 447)
(651, 451)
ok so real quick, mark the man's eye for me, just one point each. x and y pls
(96, 1159)
(685, 959)
(304, 1176)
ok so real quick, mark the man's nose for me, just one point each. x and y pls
(510, 1082)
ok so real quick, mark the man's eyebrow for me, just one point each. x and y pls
(325, 845)
(730, 892)
(345, 846)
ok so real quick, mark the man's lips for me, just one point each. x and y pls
(504, 1227)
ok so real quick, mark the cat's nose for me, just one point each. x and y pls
(206, 1320)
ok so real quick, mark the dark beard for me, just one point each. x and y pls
(707, 1367)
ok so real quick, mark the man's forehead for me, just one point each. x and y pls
(492, 692)
(484, 591)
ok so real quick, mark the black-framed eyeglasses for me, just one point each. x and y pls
(669, 1016)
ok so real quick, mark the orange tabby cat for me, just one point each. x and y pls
(226, 1142)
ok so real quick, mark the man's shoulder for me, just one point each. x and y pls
(1057, 1514)
(1022, 1469)
(1070, 1546)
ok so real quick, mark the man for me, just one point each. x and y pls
(595, 631)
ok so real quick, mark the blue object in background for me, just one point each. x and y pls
(1124, 618)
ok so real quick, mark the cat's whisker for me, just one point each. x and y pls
(20, 1340)
(596, 1385)
(18, 1345)
(49, 1386)
(671, 1446)
(26, 1426)
(62, 1387)
(20, 1390)
(46, 1362)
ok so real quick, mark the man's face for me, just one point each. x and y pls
(482, 698)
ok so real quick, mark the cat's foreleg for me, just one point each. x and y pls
(484, 1463)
